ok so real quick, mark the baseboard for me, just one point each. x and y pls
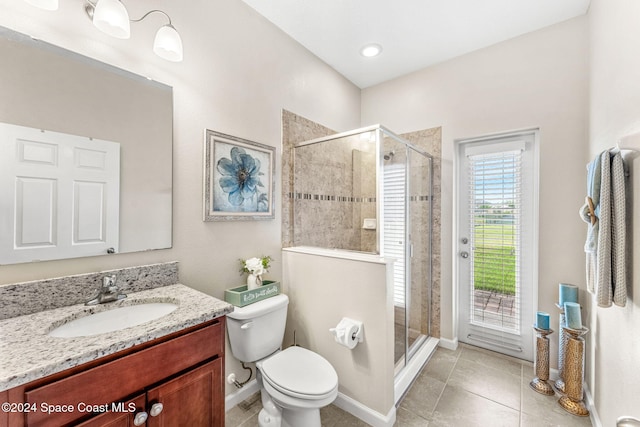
(593, 414)
(231, 400)
(449, 344)
(366, 414)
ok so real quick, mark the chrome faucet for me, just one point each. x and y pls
(108, 292)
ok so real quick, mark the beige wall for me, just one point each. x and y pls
(613, 358)
(536, 80)
(323, 289)
(239, 72)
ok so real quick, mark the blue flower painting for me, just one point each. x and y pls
(241, 178)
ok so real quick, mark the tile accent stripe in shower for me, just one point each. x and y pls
(323, 197)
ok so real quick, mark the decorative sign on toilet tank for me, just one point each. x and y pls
(242, 296)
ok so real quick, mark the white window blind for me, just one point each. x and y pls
(394, 226)
(495, 220)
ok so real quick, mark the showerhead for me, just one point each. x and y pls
(389, 155)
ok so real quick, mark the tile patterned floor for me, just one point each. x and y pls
(469, 387)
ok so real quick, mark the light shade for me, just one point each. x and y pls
(111, 17)
(168, 44)
(44, 4)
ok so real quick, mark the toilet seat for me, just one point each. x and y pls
(301, 373)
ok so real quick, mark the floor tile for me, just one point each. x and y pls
(554, 419)
(458, 407)
(406, 418)
(332, 416)
(441, 364)
(423, 396)
(546, 411)
(240, 413)
(491, 359)
(498, 385)
(467, 387)
(251, 422)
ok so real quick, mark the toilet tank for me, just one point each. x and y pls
(256, 330)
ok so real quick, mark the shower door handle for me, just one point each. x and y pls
(464, 254)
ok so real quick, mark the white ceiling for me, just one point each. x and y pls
(414, 34)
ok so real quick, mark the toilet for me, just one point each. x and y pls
(295, 382)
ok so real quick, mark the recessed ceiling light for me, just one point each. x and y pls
(371, 50)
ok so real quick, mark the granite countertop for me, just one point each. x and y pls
(29, 353)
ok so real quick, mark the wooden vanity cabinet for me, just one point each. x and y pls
(118, 419)
(172, 381)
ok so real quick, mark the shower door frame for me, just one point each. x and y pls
(409, 350)
(380, 131)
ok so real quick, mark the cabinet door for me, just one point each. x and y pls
(194, 399)
(121, 414)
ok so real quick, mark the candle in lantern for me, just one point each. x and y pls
(542, 320)
(572, 314)
(567, 293)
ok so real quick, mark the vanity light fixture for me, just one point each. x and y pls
(371, 50)
(112, 18)
(44, 4)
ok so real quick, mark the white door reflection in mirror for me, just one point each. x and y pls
(59, 195)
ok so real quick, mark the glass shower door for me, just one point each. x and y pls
(406, 216)
(394, 244)
(419, 255)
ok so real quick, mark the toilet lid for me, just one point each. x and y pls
(301, 372)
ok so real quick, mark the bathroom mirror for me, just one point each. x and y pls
(46, 87)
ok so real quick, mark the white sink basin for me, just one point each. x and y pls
(113, 320)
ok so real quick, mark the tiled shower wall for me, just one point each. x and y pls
(334, 189)
(297, 129)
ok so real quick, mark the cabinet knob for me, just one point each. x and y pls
(140, 418)
(156, 409)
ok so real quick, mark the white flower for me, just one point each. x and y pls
(254, 266)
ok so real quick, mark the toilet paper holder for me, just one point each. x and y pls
(345, 323)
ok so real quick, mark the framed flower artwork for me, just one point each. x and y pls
(239, 178)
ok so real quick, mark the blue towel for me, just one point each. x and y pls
(591, 244)
(593, 182)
